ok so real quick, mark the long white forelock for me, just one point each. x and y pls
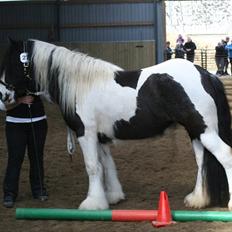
(78, 73)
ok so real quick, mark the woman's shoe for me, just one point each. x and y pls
(42, 196)
(8, 201)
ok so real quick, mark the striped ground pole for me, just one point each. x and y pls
(118, 215)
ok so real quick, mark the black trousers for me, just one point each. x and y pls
(191, 57)
(20, 137)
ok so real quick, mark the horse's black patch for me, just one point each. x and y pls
(75, 123)
(161, 101)
(127, 78)
(102, 138)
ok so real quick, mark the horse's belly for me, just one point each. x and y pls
(141, 125)
(125, 130)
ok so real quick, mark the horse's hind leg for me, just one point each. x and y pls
(96, 198)
(199, 197)
(113, 187)
(222, 152)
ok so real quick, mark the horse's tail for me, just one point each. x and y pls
(216, 179)
(71, 144)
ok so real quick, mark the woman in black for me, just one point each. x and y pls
(190, 48)
(168, 51)
(220, 58)
(26, 128)
(179, 51)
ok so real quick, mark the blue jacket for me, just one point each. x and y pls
(229, 49)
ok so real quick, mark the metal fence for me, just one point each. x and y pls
(206, 59)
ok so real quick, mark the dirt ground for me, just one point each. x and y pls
(145, 168)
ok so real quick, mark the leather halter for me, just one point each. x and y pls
(23, 56)
(25, 60)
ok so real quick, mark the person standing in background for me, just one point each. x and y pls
(180, 39)
(226, 62)
(219, 58)
(229, 49)
(168, 51)
(190, 48)
(179, 51)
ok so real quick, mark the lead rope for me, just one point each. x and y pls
(24, 59)
(42, 198)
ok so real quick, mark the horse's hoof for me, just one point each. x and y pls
(230, 205)
(197, 201)
(115, 197)
(91, 203)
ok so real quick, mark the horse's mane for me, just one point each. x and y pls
(76, 73)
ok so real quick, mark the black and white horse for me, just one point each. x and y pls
(103, 103)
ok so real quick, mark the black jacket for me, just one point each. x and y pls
(22, 110)
(220, 51)
(190, 45)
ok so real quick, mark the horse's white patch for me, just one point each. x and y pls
(102, 112)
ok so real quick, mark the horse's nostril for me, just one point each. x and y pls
(0, 96)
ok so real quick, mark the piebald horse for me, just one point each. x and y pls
(101, 103)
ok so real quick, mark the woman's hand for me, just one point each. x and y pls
(25, 100)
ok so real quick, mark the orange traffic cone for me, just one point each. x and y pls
(164, 216)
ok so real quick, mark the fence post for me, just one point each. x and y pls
(204, 58)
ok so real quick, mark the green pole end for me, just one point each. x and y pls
(64, 214)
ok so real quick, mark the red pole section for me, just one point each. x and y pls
(134, 215)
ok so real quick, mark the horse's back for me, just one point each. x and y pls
(180, 70)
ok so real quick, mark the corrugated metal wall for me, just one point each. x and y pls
(25, 20)
(107, 22)
(85, 22)
(128, 55)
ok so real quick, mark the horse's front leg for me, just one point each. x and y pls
(96, 198)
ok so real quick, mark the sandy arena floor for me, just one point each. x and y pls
(145, 168)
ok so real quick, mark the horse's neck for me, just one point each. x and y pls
(72, 65)
(71, 74)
